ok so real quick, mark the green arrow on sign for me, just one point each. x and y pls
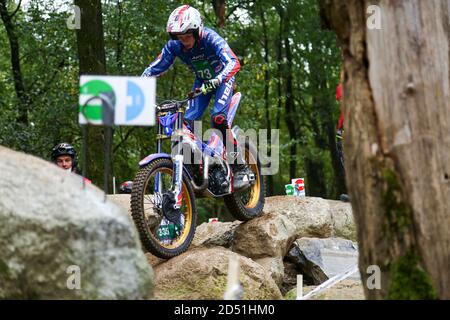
(94, 88)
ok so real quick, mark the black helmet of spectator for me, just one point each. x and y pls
(65, 149)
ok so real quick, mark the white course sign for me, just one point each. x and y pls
(117, 100)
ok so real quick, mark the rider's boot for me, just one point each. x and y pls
(243, 176)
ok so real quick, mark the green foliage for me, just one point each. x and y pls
(397, 211)
(409, 281)
(134, 35)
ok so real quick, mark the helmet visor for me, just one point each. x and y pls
(174, 35)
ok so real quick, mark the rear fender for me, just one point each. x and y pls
(232, 109)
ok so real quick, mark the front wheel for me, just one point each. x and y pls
(248, 204)
(160, 236)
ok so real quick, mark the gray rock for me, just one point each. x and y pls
(321, 259)
(267, 238)
(122, 200)
(201, 273)
(291, 270)
(342, 220)
(215, 234)
(154, 260)
(311, 216)
(269, 235)
(275, 267)
(53, 230)
(315, 217)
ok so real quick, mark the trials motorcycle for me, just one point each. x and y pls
(164, 189)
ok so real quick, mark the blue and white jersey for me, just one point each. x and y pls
(211, 57)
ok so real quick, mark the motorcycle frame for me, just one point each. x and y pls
(211, 152)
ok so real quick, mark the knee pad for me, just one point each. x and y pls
(219, 122)
(219, 119)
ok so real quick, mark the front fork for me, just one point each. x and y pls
(177, 159)
(177, 183)
(158, 183)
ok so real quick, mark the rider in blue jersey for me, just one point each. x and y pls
(211, 59)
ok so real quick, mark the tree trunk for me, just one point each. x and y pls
(315, 165)
(339, 174)
(119, 40)
(325, 126)
(397, 143)
(315, 184)
(219, 10)
(270, 190)
(290, 116)
(279, 70)
(91, 53)
(15, 62)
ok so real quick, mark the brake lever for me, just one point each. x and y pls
(194, 94)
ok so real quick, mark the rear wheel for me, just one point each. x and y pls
(158, 235)
(248, 204)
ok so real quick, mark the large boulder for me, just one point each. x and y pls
(61, 240)
(267, 239)
(154, 260)
(342, 219)
(311, 216)
(215, 234)
(269, 235)
(274, 266)
(320, 259)
(291, 270)
(122, 200)
(201, 273)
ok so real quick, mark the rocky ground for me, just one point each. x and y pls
(59, 239)
(311, 236)
(345, 290)
(55, 227)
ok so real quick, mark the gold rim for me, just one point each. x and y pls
(186, 210)
(255, 190)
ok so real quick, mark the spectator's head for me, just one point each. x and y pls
(64, 156)
(185, 24)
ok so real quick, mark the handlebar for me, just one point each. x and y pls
(176, 104)
(194, 94)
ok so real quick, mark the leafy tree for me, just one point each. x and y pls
(289, 71)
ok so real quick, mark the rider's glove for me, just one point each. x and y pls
(210, 85)
(146, 73)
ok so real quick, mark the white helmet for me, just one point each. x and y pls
(183, 20)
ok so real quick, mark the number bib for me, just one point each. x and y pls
(203, 69)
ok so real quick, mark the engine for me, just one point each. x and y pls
(218, 182)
